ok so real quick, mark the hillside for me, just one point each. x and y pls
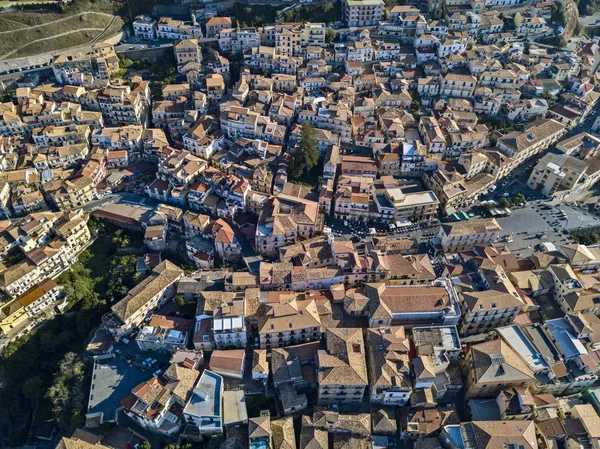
(27, 33)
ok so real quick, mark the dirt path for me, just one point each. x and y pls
(48, 38)
(16, 22)
(58, 21)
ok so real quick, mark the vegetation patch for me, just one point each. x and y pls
(42, 373)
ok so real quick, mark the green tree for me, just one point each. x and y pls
(145, 445)
(180, 301)
(330, 35)
(296, 166)
(308, 146)
(504, 203)
(518, 199)
(32, 388)
(327, 5)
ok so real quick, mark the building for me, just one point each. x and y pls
(293, 370)
(537, 136)
(342, 368)
(203, 413)
(49, 259)
(464, 235)
(556, 175)
(408, 305)
(142, 299)
(494, 366)
(228, 363)
(229, 324)
(163, 334)
(289, 319)
(145, 27)
(389, 366)
(186, 51)
(363, 12)
(483, 311)
(490, 434)
(215, 24)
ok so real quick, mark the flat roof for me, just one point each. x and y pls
(519, 342)
(234, 408)
(206, 397)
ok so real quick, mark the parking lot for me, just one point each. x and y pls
(113, 379)
(538, 222)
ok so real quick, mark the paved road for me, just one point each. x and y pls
(133, 44)
(590, 20)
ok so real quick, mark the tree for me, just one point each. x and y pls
(145, 445)
(518, 199)
(327, 5)
(504, 203)
(32, 388)
(180, 301)
(308, 146)
(330, 35)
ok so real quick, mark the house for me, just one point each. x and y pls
(163, 334)
(228, 363)
(203, 413)
(141, 300)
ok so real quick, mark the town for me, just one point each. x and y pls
(351, 224)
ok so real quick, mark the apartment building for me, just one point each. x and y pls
(215, 86)
(342, 368)
(536, 137)
(141, 300)
(556, 175)
(187, 50)
(494, 366)
(363, 12)
(164, 333)
(55, 136)
(203, 139)
(457, 85)
(389, 366)
(27, 308)
(169, 28)
(73, 193)
(289, 320)
(229, 325)
(290, 375)
(486, 310)
(407, 305)
(145, 27)
(71, 234)
(215, 24)
(283, 220)
(238, 39)
(464, 235)
(203, 413)
(243, 122)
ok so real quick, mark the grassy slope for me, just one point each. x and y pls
(67, 41)
(19, 22)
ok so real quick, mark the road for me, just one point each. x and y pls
(590, 20)
(120, 197)
(133, 44)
